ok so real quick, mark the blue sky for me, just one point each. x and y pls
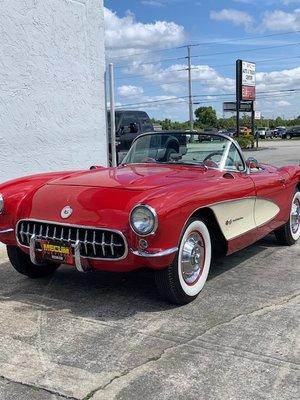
(157, 81)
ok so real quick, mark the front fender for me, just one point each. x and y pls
(15, 193)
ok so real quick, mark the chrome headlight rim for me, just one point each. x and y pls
(1, 204)
(155, 220)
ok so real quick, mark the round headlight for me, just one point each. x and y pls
(143, 220)
(1, 204)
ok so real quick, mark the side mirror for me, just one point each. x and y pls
(252, 163)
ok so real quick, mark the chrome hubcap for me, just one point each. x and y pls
(192, 258)
(295, 216)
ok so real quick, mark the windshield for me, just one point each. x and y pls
(212, 150)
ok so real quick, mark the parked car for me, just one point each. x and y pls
(129, 125)
(170, 206)
(264, 133)
(281, 130)
(291, 132)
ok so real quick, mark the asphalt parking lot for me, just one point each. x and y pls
(105, 336)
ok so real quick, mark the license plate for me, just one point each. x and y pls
(57, 252)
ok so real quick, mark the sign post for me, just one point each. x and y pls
(245, 89)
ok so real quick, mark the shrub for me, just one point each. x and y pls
(245, 141)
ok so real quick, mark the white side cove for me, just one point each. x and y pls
(240, 216)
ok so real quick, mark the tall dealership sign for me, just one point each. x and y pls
(245, 86)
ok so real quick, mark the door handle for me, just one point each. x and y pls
(228, 175)
(282, 181)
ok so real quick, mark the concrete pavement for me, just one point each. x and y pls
(108, 336)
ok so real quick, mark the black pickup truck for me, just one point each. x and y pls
(129, 125)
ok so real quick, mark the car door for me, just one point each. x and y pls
(235, 214)
(270, 205)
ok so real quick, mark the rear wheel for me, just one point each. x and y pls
(182, 281)
(22, 263)
(288, 136)
(289, 233)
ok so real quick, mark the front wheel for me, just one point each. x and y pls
(182, 281)
(22, 263)
(289, 233)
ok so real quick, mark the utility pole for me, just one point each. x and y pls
(189, 58)
(112, 115)
(238, 96)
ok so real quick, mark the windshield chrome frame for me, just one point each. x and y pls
(230, 139)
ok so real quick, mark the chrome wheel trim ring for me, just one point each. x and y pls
(195, 288)
(192, 258)
(295, 217)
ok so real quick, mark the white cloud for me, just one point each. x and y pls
(277, 80)
(279, 20)
(237, 17)
(130, 91)
(283, 103)
(125, 35)
(154, 3)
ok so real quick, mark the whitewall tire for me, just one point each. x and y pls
(184, 279)
(289, 233)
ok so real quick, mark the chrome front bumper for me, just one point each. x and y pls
(77, 257)
(162, 253)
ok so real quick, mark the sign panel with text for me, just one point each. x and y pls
(246, 80)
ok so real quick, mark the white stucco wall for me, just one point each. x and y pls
(51, 86)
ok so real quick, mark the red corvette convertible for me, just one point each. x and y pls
(176, 200)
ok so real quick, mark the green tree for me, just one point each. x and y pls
(206, 117)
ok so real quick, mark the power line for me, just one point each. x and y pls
(296, 90)
(130, 76)
(206, 44)
(242, 51)
(158, 61)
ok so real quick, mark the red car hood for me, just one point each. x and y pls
(134, 177)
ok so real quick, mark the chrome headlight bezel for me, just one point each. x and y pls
(149, 211)
(1, 204)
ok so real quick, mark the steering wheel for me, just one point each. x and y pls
(148, 160)
(211, 162)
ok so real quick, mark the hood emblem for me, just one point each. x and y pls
(66, 212)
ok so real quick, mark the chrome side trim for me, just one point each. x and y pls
(162, 253)
(7, 231)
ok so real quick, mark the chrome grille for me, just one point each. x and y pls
(94, 242)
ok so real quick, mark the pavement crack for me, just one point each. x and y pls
(31, 386)
(258, 311)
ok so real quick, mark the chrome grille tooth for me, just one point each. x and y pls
(96, 243)
(22, 232)
(28, 233)
(112, 244)
(103, 244)
(85, 241)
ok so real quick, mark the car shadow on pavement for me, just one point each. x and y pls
(104, 295)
